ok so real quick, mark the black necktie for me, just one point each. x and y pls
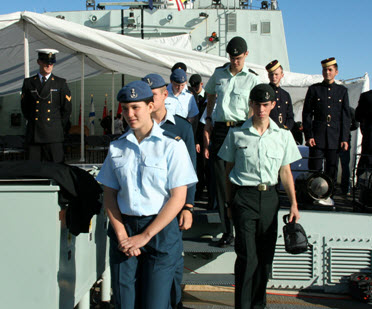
(44, 80)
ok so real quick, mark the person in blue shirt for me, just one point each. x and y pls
(145, 176)
(180, 127)
(181, 101)
(256, 153)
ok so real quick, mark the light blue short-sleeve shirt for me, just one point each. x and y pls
(145, 173)
(232, 93)
(258, 158)
(183, 105)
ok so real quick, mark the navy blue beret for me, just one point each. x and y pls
(178, 76)
(154, 81)
(135, 92)
(262, 93)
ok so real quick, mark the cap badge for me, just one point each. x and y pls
(149, 81)
(267, 96)
(50, 55)
(235, 51)
(133, 94)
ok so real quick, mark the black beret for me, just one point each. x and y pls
(179, 65)
(262, 93)
(236, 46)
(195, 80)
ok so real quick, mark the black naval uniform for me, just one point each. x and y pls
(282, 113)
(326, 118)
(363, 114)
(47, 109)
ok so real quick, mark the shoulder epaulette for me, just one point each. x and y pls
(282, 126)
(171, 135)
(188, 91)
(253, 72)
(223, 66)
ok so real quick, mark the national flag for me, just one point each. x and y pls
(104, 114)
(92, 115)
(151, 4)
(180, 5)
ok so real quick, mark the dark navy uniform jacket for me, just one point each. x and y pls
(363, 114)
(47, 109)
(183, 129)
(282, 113)
(326, 115)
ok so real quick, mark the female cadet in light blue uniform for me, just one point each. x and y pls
(257, 152)
(145, 177)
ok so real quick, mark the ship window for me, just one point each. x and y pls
(265, 27)
(254, 27)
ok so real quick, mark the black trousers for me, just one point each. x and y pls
(255, 219)
(317, 155)
(218, 136)
(52, 152)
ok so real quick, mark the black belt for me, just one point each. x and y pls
(230, 123)
(262, 187)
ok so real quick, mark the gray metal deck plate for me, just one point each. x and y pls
(202, 245)
(209, 279)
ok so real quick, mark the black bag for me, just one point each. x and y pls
(360, 286)
(295, 239)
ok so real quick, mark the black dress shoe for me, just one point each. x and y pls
(225, 241)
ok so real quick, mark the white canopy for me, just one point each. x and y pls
(104, 51)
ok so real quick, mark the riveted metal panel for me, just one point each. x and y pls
(343, 257)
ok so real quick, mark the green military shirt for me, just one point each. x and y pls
(232, 93)
(258, 158)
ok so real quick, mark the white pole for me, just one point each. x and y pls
(106, 286)
(113, 101)
(82, 154)
(26, 50)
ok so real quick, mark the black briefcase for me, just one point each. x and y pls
(295, 239)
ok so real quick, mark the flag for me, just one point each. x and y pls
(104, 114)
(180, 5)
(92, 116)
(119, 110)
(151, 4)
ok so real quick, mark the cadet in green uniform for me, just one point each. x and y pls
(229, 88)
(256, 153)
(46, 105)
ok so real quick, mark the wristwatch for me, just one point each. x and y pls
(190, 209)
